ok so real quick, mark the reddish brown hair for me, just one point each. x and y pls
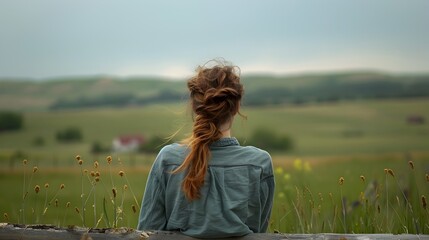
(215, 95)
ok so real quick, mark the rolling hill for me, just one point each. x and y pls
(100, 91)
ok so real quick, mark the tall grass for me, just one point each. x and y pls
(383, 200)
(394, 205)
(35, 211)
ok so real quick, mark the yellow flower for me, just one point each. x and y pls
(297, 164)
(286, 176)
(279, 170)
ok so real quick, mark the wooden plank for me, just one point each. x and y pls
(48, 232)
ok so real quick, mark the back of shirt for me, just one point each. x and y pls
(236, 198)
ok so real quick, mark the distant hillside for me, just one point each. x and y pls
(267, 90)
(260, 90)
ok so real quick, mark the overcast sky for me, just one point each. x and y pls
(50, 38)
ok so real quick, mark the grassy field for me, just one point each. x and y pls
(307, 198)
(346, 139)
(317, 130)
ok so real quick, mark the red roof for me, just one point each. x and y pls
(128, 139)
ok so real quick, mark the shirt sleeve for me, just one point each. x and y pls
(267, 195)
(152, 212)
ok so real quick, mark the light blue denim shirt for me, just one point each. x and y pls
(236, 198)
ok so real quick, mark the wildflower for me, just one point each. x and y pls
(109, 159)
(362, 177)
(114, 192)
(24, 162)
(77, 157)
(6, 217)
(385, 170)
(279, 170)
(56, 202)
(77, 210)
(297, 164)
(411, 164)
(95, 164)
(341, 181)
(390, 171)
(85, 171)
(286, 176)
(35, 169)
(68, 204)
(121, 173)
(97, 179)
(427, 177)
(125, 187)
(80, 162)
(134, 208)
(37, 188)
(92, 174)
(97, 174)
(62, 186)
(424, 203)
(46, 185)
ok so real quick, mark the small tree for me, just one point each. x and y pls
(10, 121)
(71, 134)
(97, 147)
(153, 145)
(269, 140)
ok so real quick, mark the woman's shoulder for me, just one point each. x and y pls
(255, 152)
(173, 148)
(251, 155)
(172, 153)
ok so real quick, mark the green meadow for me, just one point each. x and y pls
(357, 140)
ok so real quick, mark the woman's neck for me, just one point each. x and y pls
(226, 133)
(225, 129)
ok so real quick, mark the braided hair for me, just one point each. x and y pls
(215, 95)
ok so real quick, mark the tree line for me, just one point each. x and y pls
(328, 90)
(331, 91)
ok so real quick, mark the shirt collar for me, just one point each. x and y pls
(223, 142)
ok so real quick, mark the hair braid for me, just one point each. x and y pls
(215, 95)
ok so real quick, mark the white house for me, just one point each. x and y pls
(127, 143)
